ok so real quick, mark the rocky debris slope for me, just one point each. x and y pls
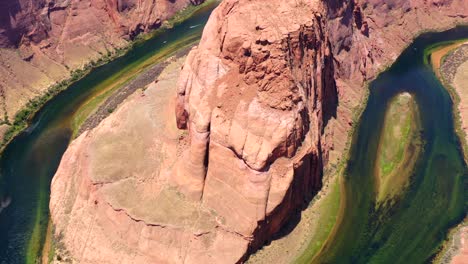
(455, 72)
(110, 198)
(42, 41)
(267, 98)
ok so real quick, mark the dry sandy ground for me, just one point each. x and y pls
(460, 83)
(454, 70)
(462, 255)
(438, 55)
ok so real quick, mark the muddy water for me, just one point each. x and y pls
(412, 228)
(30, 161)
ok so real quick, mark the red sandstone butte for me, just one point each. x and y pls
(267, 98)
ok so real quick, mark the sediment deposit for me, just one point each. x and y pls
(454, 71)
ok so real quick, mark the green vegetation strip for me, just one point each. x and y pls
(24, 116)
(122, 78)
(327, 211)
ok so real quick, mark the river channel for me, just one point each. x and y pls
(412, 227)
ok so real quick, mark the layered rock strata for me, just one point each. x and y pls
(267, 98)
(41, 42)
(255, 97)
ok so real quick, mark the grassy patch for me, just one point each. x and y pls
(328, 210)
(399, 147)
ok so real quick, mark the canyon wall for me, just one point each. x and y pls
(42, 41)
(268, 99)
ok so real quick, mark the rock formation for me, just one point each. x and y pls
(268, 99)
(255, 97)
(258, 93)
(455, 72)
(42, 41)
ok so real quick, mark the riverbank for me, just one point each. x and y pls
(306, 232)
(450, 64)
(24, 116)
(107, 105)
(398, 149)
(113, 92)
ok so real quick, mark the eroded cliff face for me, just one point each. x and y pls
(255, 97)
(267, 98)
(42, 41)
(24, 22)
